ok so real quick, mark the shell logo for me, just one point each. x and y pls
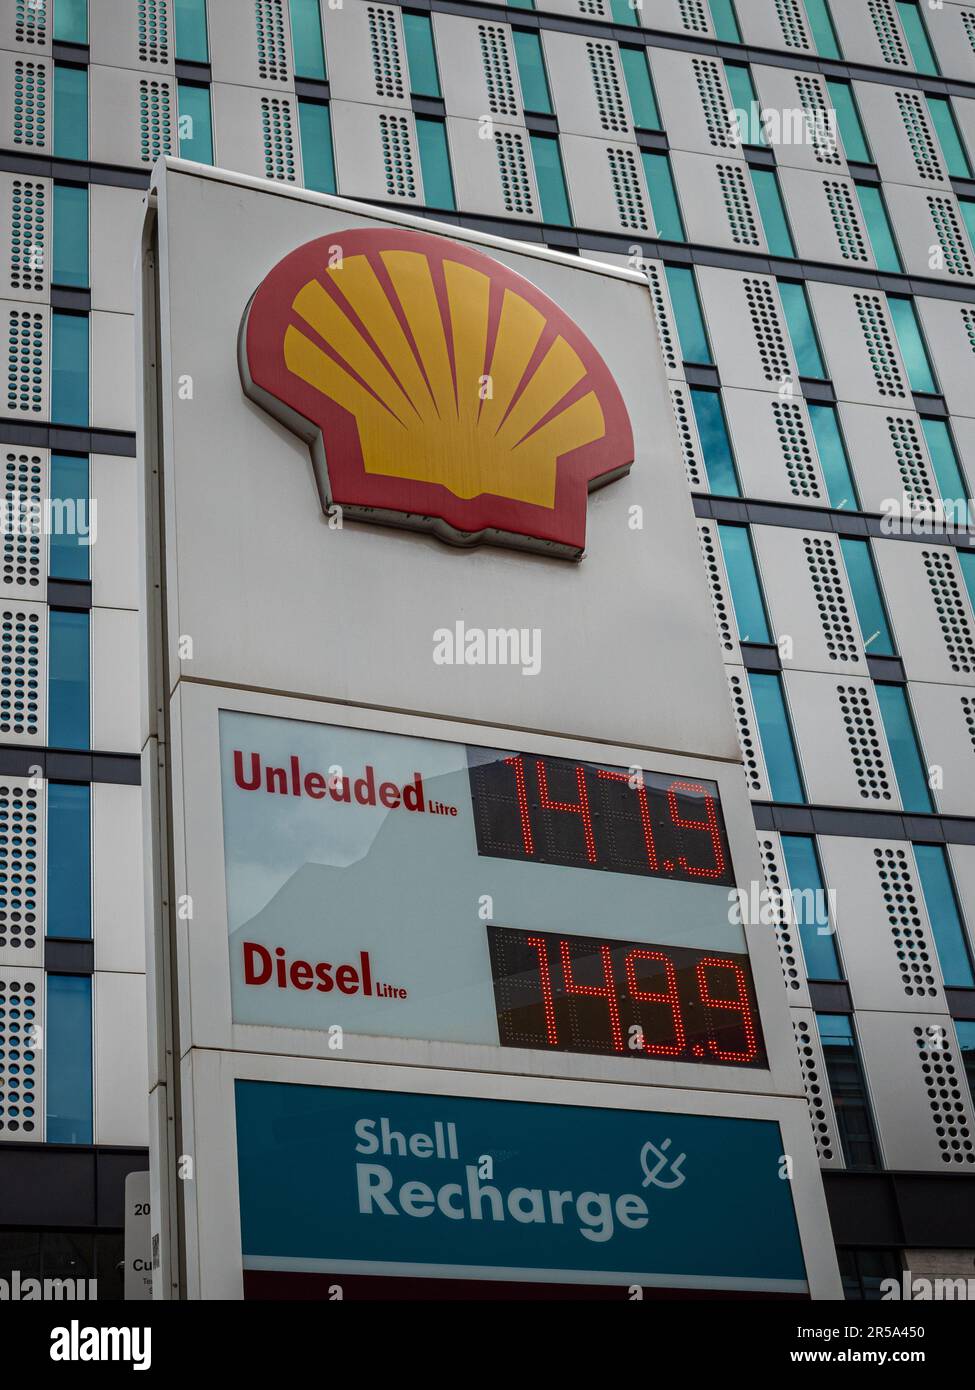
(438, 389)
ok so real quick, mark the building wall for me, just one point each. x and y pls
(815, 296)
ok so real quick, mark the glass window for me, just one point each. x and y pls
(917, 36)
(69, 860)
(191, 31)
(71, 21)
(912, 777)
(911, 343)
(693, 336)
(848, 1090)
(521, 4)
(306, 39)
(746, 590)
(69, 551)
(823, 32)
(69, 679)
(948, 133)
(636, 74)
(967, 206)
(833, 459)
(772, 211)
(947, 470)
(69, 369)
(531, 71)
(725, 21)
(867, 598)
(68, 1075)
(966, 559)
(744, 100)
(551, 180)
(420, 54)
(317, 158)
(663, 196)
(626, 11)
(70, 112)
(965, 1032)
(195, 127)
(802, 330)
(946, 924)
(775, 733)
(438, 185)
(811, 907)
(719, 461)
(848, 119)
(863, 1272)
(70, 235)
(879, 230)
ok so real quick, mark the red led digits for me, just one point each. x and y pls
(538, 943)
(739, 1005)
(671, 997)
(641, 796)
(518, 763)
(710, 825)
(606, 991)
(577, 808)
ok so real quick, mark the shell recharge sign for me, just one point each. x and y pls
(439, 389)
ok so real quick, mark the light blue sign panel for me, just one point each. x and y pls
(379, 1182)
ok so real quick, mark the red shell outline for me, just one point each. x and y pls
(411, 502)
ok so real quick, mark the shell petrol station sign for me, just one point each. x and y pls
(446, 996)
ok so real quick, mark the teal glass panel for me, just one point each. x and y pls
(551, 180)
(719, 461)
(912, 780)
(191, 31)
(70, 112)
(867, 598)
(71, 21)
(69, 679)
(911, 344)
(70, 232)
(438, 186)
(306, 39)
(823, 32)
(746, 591)
(966, 559)
(802, 330)
(744, 100)
(69, 551)
(852, 133)
(879, 230)
(917, 36)
(725, 21)
(772, 211)
(317, 157)
(663, 196)
(69, 369)
(776, 736)
(531, 72)
(521, 4)
(693, 336)
(945, 919)
(195, 127)
(639, 86)
(947, 470)
(626, 11)
(69, 860)
(952, 148)
(420, 54)
(68, 1070)
(811, 907)
(967, 206)
(833, 459)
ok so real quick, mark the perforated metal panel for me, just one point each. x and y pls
(841, 739)
(775, 449)
(888, 947)
(951, 30)
(688, 437)
(816, 1086)
(22, 871)
(25, 332)
(860, 344)
(809, 600)
(664, 314)
(606, 186)
(901, 134)
(25, 103)
(930, 610)
(25, 237)
(21, 1053)
(256, 132)
(825, 217)
(721, 603)
(375, 153)
(930, 232)
(801, 132)
(870, 32)
(920, 1100)
(23, 538)
(945, 719)
(367, 54)
(774, 24)
(949, 331)
(250, 42)
(781, 916)
(493, 176)
(695, 104)
(717, 201)
(588, 90)
(23, 671)
(888, 456)
(25, 25)
(746, 726)
(134, 34)
(478, 72)
(747, 329)
(133, 117)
